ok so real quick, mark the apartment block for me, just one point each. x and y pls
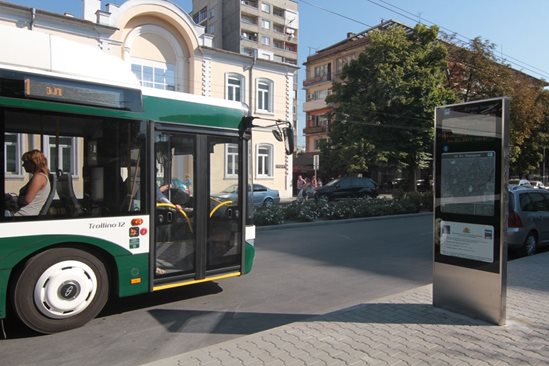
(243, 26)
(322, 69)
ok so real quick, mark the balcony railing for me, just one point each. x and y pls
(251, 3)
(315, 129)
(317, 79)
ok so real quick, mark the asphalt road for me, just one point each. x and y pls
(299, 271)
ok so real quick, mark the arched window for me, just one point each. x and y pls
(156, 58)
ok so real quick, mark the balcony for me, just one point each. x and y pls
(317, 79)
(315, 129)
(248, 36)
(248, 19)
(313, 105)
(252, 3)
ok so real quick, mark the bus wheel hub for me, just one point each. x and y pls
(69, 290)
(65, 289)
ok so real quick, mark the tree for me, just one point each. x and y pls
(382, 110)
(474, 72)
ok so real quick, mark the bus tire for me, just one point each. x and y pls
(60, 289)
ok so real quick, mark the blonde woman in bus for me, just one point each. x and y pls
(34, 194)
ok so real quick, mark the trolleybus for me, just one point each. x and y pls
(104, 231)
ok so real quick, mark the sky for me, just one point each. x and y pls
(518, 28)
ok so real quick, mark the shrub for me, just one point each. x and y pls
(310, 210)
(302, 211)
(273, 215)
(422, 200)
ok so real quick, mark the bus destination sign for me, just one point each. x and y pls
(68, 91)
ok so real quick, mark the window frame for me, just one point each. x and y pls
(241, 79)
(73, 154)
(267, 165)
(155, 65)
(265, 24)
(264, 96)
(230, 155)
(18, 153)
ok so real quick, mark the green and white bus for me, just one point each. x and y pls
(103, 231)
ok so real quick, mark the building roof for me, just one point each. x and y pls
(354, 40)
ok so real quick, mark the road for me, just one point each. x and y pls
(298, 272)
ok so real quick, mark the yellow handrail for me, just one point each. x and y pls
(171, 205)
(225, 203)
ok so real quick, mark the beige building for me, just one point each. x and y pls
(265, 29)
(165, 49)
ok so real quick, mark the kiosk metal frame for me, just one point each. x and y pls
(470, 213)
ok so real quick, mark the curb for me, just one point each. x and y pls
(343, 221)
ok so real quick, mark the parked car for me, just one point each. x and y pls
(261, 194)
(347, 187)
(520, 182)
(528, 220)
(538, 184)
(423, 185)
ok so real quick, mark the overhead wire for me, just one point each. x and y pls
(517, 62)
(413, 17)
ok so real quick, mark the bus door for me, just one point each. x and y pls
(197, 230)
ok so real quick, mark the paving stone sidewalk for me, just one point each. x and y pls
(404, 329)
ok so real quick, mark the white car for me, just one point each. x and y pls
(538, 184)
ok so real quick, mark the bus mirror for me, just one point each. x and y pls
(289, 140)
(278, 135)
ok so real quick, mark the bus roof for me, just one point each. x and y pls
(26, 50)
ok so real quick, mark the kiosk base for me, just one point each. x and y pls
(477, 294)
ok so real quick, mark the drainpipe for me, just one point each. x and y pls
(251, 84)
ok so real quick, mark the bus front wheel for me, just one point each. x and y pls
(60, 289)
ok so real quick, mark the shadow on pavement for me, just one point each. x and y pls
(217, 322)
(14, 328)
(397, 313)
(244, 323)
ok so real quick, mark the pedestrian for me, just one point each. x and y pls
(300, 183)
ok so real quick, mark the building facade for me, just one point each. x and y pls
(322, 69)
(165, 49)
(243, 26)
(267, 30)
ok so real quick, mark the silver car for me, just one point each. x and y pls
(261, 195)
(528, 221)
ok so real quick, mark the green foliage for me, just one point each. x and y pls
(474, 72)
(311, 210)
(273, 215)
(302, 210)
(383, 107)
(421, 200)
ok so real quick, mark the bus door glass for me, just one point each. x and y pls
(224, 231)
(175, 204)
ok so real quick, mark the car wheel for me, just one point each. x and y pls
(268, 202)
(60, 289)
(530, 244)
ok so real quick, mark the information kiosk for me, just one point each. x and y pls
(471, 171)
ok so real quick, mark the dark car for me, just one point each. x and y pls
(423, 185)
(528, 220)
(348, 187)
